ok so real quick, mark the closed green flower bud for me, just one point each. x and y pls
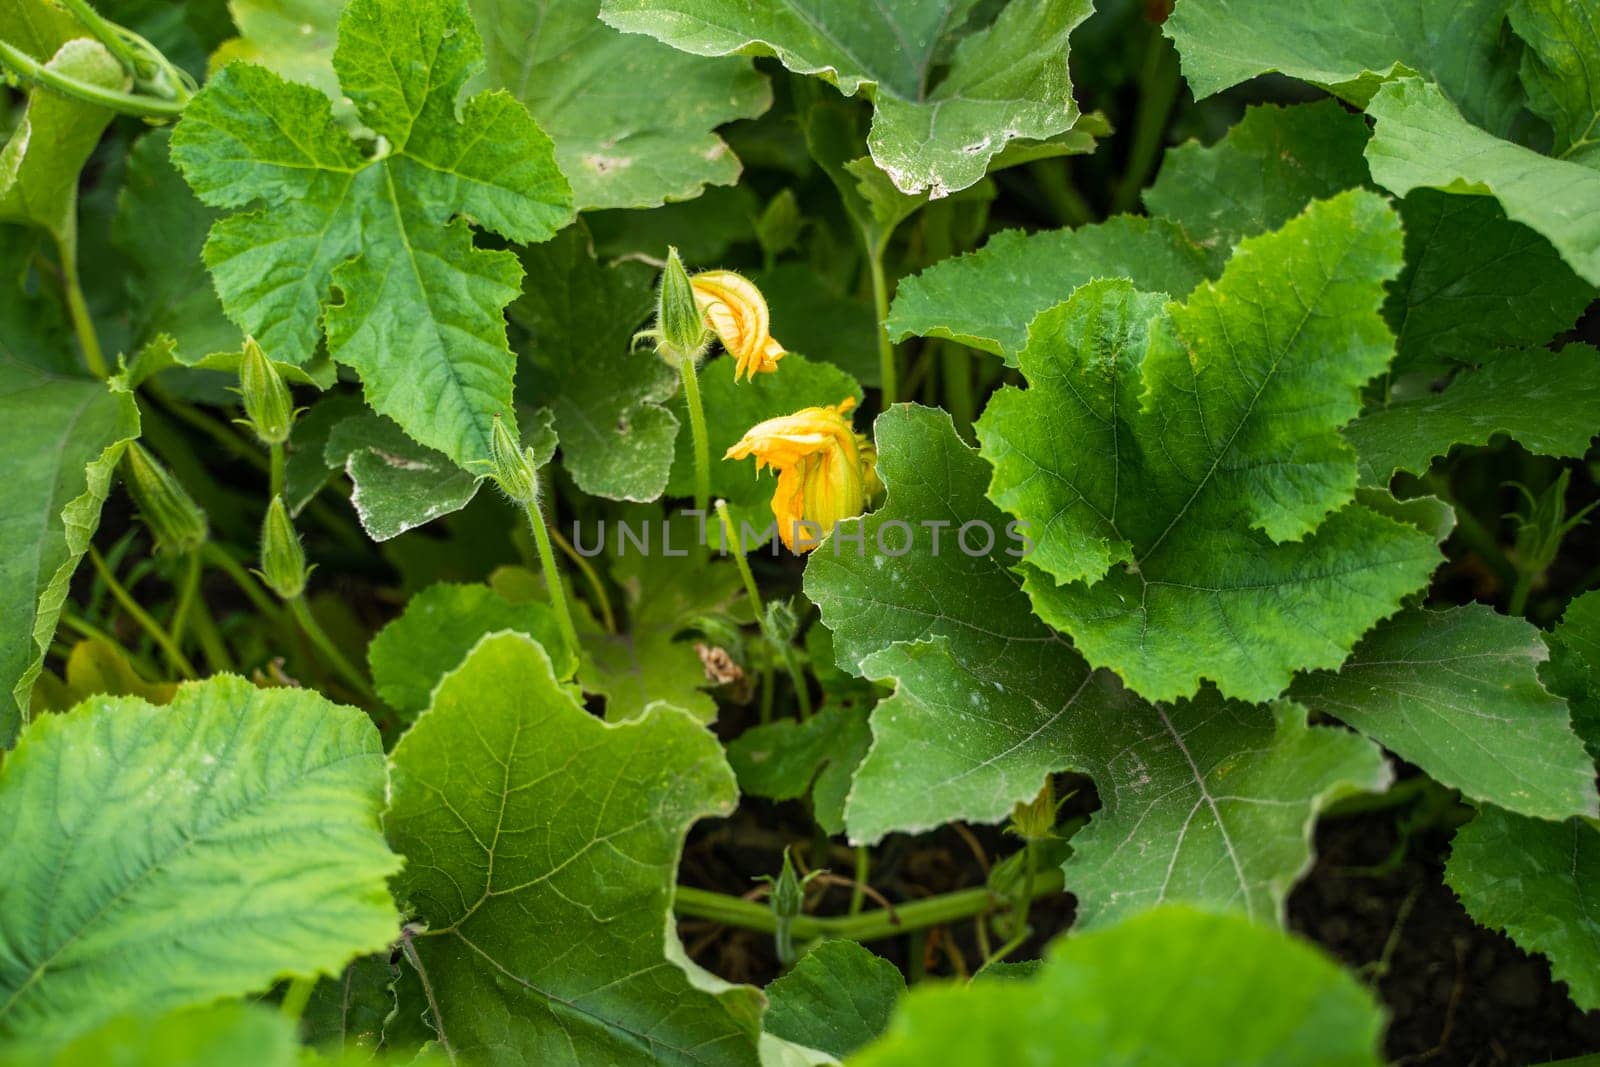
(267, 404)
(512, 466)
(680, 324)
(283, 561)
(174, 519)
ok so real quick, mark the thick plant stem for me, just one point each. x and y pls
(872, 925)
(211, 643)
(697, 428)
(858, 892)
(78, 310)
(552, 576)
(328, 650)
(163, 640)
(608, 618)
(887, 371)
(32, 70)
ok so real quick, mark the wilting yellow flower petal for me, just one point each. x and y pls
(737, 313)
(821, 478)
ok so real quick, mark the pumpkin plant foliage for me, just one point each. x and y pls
(798, 533)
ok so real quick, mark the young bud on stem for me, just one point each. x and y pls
(174, 519)
(267, 404)
(679, 321)
(512, 466)
(283, 561)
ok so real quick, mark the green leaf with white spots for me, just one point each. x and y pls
(949, 90)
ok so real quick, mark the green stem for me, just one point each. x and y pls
(887, 370)
(174, 654)
(957, 373)
(1158, 91)
(115, 42)
(872, 925)
(607, 618)
(329, 651)
(186, 597)
(797, 677)
(697, 428)
(858, 892)
(259, 598)
(296, 997)
(126, 103)
(275, 468)
(78, 308)
(211, 642)
(552, 576)
(1519, 592)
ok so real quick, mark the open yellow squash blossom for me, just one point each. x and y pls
(825, 469)
(736, 312)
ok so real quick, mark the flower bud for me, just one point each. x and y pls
(680, 325)
(175, 520)
(267, 403)
(511, 466)
(283, 561)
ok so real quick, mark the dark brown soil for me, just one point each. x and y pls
(1456, 992)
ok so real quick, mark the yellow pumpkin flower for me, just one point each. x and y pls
(821, 477)
(737, 313)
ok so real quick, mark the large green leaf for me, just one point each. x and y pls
(164, 857)
(420, 315)
(1540, 883)
(1182, 473)
(949, 94)
(1573, 670)
(1349, 48)
(1549, 402)
(1172, 986)
(838, 997)
(1558, 71)
(66, 436)
(1474, 281)
(616, 435)
(439, 627)
(1209, 800)
(1421, 141)
(986, 299)
(1457, 693)
(1268, 167)
(632, 119)
(543, 848)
